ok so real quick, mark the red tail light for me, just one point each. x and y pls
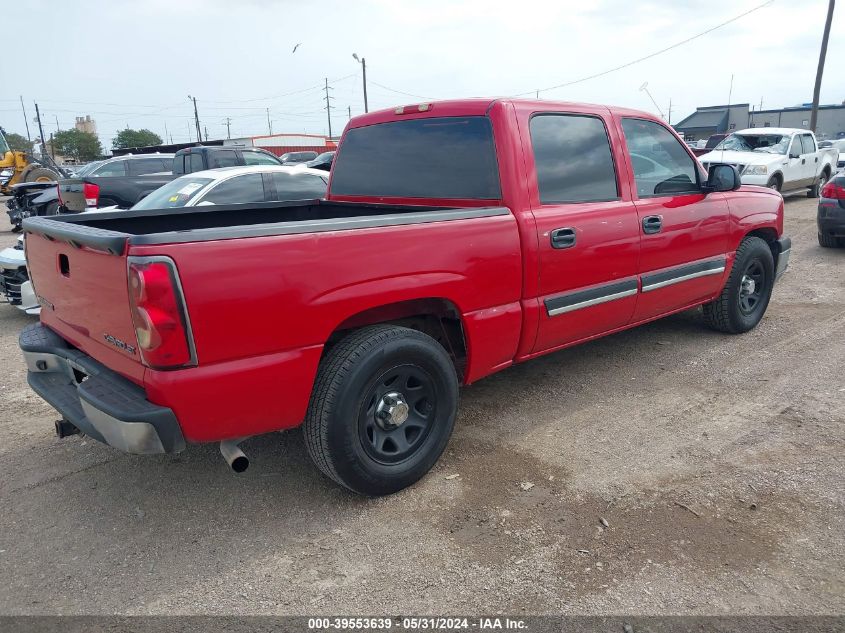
(59, 194)
(833, 190)
(92, 194)
(158, 313)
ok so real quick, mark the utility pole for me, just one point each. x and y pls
(349, 111)
(822, 54)
(25, 121)
(670, 111)
(206, 134)
(269, 124)
(58, 129)
(228, 129)
(52, 146)
(329, 106)
(196, 118)
(363, 63)
(40, 130)
(165, 132)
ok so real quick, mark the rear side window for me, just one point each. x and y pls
(225, 158)
(258, 158)
(573, 159)
(194, 162)
(179, 164)
(808, 144)
(237, 190)
(446, 157)
(143, 166)
(298, 186)
(662, 166)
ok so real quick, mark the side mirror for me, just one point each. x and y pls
(795, 155)
(722, 177)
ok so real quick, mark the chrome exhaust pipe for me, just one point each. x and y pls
(233, 455)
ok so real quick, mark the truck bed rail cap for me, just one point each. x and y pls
(78, 235)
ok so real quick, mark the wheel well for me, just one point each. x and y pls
(777, 176)
(770, 236)
(437, 317)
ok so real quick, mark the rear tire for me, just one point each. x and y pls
(354, 429)
(746, 294)
(829, 241)
(51, 208)
(816, 188)
(41, 174)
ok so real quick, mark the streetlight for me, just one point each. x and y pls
(363, 63)
(644, 88)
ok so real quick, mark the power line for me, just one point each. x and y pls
(642, 59)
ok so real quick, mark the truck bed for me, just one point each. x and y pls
(114, 231)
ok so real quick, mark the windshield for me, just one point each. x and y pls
(767, 143)
(4, 146)
(176, 193)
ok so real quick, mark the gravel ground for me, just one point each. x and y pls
(674, 471)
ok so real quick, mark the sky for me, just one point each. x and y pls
(134, 62)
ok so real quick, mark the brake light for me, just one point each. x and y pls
(59, 195)
(833, 190)
(159, 314)
(91, 192)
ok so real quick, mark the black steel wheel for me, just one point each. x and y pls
(382, 409)
(398, 413)
(745, 296)
(752, 287)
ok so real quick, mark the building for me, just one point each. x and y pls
(710, 120)
(725, 118)
(86, 124)
(278, 144)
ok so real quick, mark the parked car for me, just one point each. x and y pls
(15, 285)
(783, 159)
(366, 310)
(839, 146)
(238, 185)
(125, 189)
(830, 217)
(323, 161)
(293, 158)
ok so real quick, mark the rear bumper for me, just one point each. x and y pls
(831, 218)
(99, 402)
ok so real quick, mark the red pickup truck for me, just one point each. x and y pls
(457, 238)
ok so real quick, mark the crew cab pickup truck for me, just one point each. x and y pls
(131, 178)
(480, 234)
(784, 159)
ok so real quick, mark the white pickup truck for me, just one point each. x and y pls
(785, 159)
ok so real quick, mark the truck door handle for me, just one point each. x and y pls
(803, 161)
(563, 238)
(652, 224)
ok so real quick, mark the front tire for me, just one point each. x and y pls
(746, 294)
(382, 409)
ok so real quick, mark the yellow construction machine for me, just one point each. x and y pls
(17, 167)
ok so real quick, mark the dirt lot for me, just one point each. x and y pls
(716, 461)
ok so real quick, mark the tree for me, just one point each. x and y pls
(135, 138)
(77, 144)
(18, 143)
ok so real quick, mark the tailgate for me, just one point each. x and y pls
(72, 195)
(79, 275)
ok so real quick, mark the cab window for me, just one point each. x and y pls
(116, 168)
(662, 166)
(258, 158)
(236, 190)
